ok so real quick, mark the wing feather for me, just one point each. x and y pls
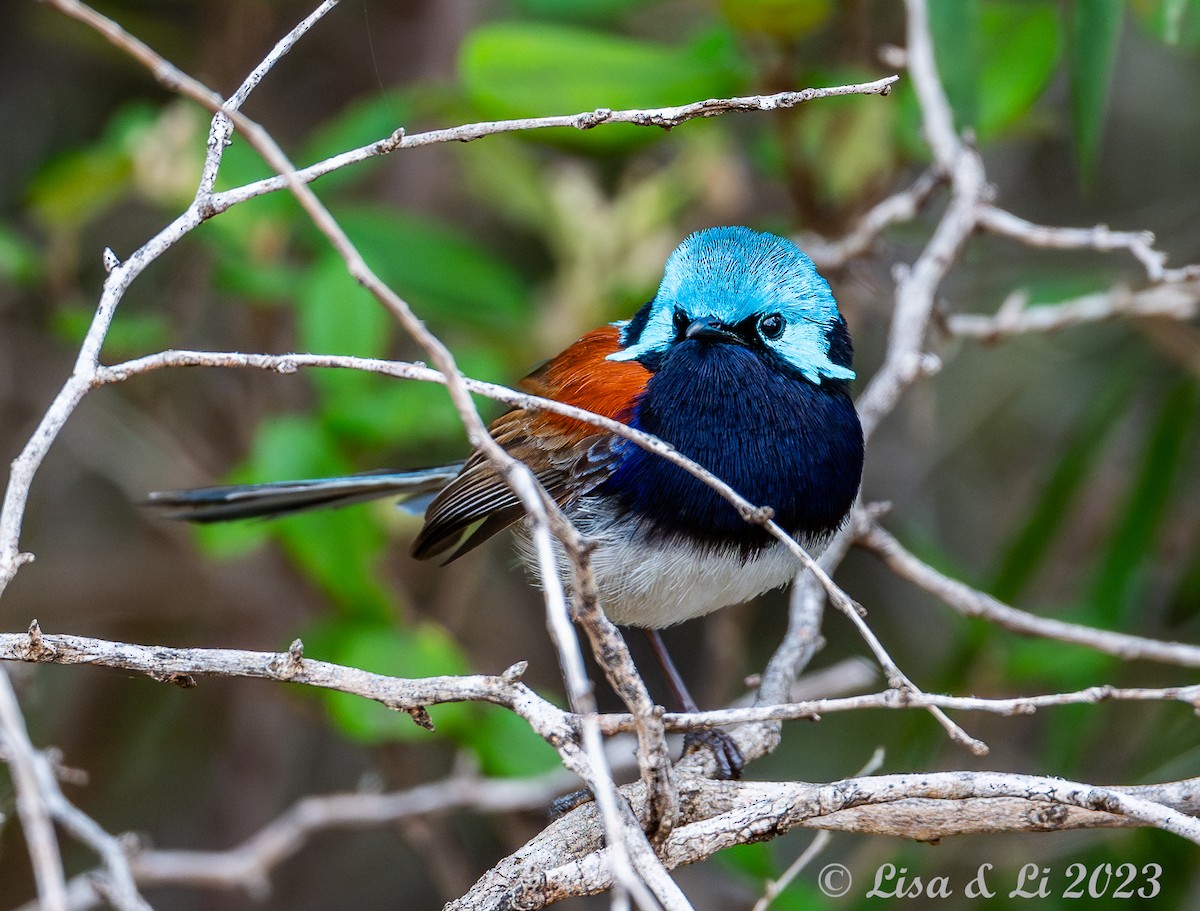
(561, 451)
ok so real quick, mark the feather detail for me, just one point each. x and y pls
(282, 498)
(568, 456)
(582, 376)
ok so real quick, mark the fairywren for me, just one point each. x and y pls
(741, 362)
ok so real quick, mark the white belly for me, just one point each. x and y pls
(663, 582)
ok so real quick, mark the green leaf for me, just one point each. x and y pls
(1184, 603)
(506, 175)
(801, 895)
(954, 27)
(422, 651)
(757, 864)
(845, 144)
(255, 232)
(337, 316)
(268, 281)
(593, 11)
(1015, 45)
(1020, 47)
(240, 165)
(80, 184)
(506, 745)
(448, 279)
(18, 258)
(230, 540)
(751, 860)
(513, 70)
(384, 412)
(1055, 666)
(784, 19)
(336, 549)
(285, 447)
(440, 271)
(130, 333)
(1095, 31)
(1029, 548)
(359, 124)
(1148, 506)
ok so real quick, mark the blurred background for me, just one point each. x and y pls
(1057, 472)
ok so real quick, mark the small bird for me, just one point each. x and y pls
(741, 361)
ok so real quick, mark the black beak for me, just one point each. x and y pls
(707, 329)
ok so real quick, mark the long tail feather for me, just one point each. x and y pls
(281, 498)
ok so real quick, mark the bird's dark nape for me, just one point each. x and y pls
(841, 349)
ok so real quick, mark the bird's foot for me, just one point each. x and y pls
(730, 760)
(561, 806)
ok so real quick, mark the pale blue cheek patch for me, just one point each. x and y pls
(805, 347)
(657, 335)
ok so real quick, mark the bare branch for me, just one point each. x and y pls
(815, 847)
(248, 866)
(1177, 301)
(972, 603)
(665, 118)
(1097, 237)
(899, 207)
(39, 801)
(35, 815)
(285, 44)
(178, 665)
(609, 849)
(568, 858)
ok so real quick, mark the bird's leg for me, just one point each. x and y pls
(729, 758)
(674, 679)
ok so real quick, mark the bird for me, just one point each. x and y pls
(741, 361)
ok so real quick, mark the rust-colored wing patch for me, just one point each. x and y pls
(581, 376)
(555, 447)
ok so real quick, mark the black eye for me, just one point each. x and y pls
(771, 326)
(682, 321)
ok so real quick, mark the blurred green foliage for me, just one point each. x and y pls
(553, 230)
(524, 69)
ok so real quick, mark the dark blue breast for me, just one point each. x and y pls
(777, 439)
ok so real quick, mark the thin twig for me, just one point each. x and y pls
(1097, 237)
(665, 118)
(36, 819)
(536, 502)
(1177, 301)
(971, 602)
(899, 207)
(924, 807)
(577, 736)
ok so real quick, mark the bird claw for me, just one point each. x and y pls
(730, 760)
(563, 805)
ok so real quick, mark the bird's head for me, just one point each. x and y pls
(737, 286)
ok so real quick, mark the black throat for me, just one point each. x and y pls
(776, 438)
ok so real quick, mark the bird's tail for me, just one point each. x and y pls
(281, 498)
